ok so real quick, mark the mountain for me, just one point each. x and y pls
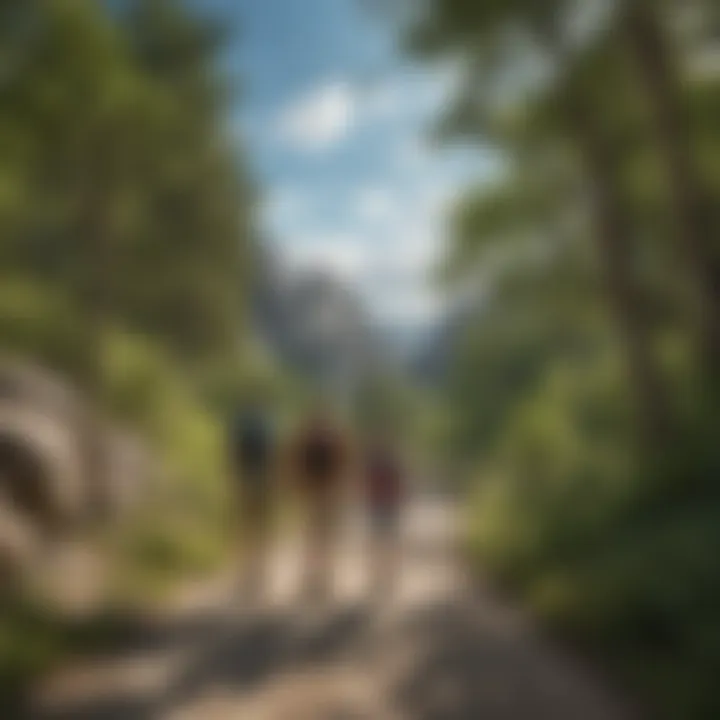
(315, 325)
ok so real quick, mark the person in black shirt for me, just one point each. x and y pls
(319, 461)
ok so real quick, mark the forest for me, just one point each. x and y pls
(125, 228)
(583, 395)
(577, 415)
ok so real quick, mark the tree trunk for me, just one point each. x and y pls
(692, 209)
(613, 244)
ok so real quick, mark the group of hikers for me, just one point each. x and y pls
(323, 465)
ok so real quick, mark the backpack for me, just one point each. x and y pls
(252, 443)
(320, 457)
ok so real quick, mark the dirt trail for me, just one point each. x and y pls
(436, 649)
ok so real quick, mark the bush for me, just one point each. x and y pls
(618, 552)
(183, 527)
(39, 323)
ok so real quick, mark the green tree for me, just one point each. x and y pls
(122, 197)
(562, 109)
(649, 40)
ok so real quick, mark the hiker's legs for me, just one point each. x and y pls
(384, 550)
(319, 550)
(254, 536)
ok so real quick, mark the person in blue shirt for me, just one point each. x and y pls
(252, 449)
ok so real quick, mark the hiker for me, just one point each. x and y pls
(319, 461)
(252, 449)
(384, 494)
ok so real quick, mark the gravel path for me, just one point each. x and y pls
(433, 649)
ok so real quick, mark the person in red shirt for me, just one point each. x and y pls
(384, 485)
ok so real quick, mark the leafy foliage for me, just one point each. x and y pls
(593, 319)
(125, 217)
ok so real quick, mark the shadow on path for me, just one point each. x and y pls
(470, 665)
(234, 654)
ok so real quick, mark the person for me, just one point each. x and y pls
(319, 458)
(384, 494)
(252, 447)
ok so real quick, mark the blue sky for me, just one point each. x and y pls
(336, 122)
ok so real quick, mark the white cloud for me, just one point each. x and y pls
(342, 254)
(284, 207)
(323, 117)
(319, 120)
(413, 253)
(408, 94)
(413, 155)
(374, 204)
(384, 101)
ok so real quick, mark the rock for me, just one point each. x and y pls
(42, 474)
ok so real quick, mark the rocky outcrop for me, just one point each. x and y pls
(44, 488)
